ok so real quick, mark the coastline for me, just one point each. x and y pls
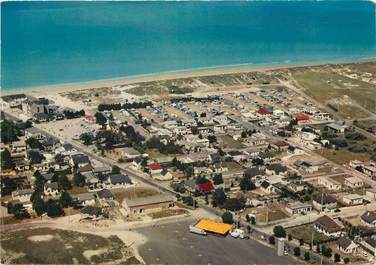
(188, 73)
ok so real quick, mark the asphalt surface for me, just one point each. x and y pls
(174, 244)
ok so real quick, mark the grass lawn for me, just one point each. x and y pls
(342, 156)
(324, 85)
(136, 192)
(54, 246)
(351, 112)
(154, 154)
(167, 213)
(78, 190)
(305, 232)
(274, 214)
(229, 142)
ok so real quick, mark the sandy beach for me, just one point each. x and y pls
(59, 88)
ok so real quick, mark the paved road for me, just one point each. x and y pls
(174, 244)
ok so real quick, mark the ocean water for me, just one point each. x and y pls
(45, 43)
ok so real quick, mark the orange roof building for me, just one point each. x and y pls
(215, 227)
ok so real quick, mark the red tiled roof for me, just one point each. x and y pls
(208, 186)
(281, 143)
(264, 111)
(302, 117)
(155, 166)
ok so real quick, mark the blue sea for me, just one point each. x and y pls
(46, 43)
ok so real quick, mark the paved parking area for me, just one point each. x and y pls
(174, 244)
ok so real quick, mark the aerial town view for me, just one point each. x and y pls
(224, 163)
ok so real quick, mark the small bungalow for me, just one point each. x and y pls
(369, 218)
(85, 199)
(352, 199)
(324, 202)
(353, 182)
(145, 205)
(51, 189)
(117, 181)
(299, 208)
(91, 212)
(328, 226)
(346, 245)
(22, 195)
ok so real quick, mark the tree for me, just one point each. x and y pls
(19, 211)
(64, 182)
(326, 251)
(35, 157)
(279, 231)
(65, 199)
(34, 143)
(8, 131)
(54, 209)
(100, 118)
(87, 138)
(188, 171)
(246, 184)
(318, 249)
(307, 257)
(227, 218)
(301, 242)
(297, 251)
(337, 257)
(79, 179)
(257, 161)
(346, 260)
(38, 205)
(271, 240)
(217, 179)
(8, 185)
(39, 182)
(234, 204)
(219, 197)
(115, 169)
(6, 160)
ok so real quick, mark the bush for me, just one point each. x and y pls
(307, 257)
(297, 251)
(337, 257)
(346, 260)
(279, 231)
(227, 218)
(271, 240)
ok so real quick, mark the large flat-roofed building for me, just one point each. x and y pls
(148, 204)
(214, 227)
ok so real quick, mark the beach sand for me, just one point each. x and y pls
(49, 90)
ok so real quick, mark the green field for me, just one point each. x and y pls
(305, 232)
(323, 84)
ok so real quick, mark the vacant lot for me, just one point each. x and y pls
(229, 142)
(54, 246)
(167, 213)
(136, 192)
(323, 85)
(305, 232)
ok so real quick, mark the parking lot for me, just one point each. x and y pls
(174, 244)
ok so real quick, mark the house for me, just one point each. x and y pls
(369, 218)
(346, 245)
(91, 212)
(328, 226)
(296, 186)
(369, 245)
(280, 145)
(50, 144)
(79, 160)
(356, 163)
(101, 171)
(21, 165)
(145, 205)
(33, 132)
(205, 188)
(302, 118)
(370, 171)
(118, 180)
(299, 208)
(22, 195)
(329, 183)
(267, 187)
(276, 169)
(353, 182)
(155, 168)
(18, 146)
(105, 196)
(335, 128)
(352, 199)
(306, 166)
(324, 202)
(253, 172)
(264, 111)
(51, 189)
(163, 176)
(85, 199)
(128, 153)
